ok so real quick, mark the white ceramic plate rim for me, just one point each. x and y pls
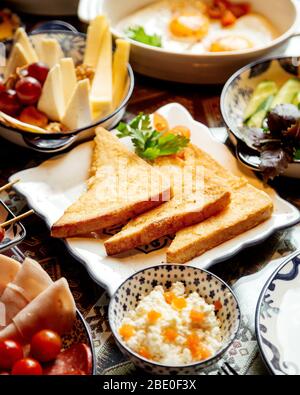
(258, 313)
(285, 214)
(84, 4)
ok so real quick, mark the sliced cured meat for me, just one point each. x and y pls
(76, 360)
(53, 309)
(30, 281)
(8, 271)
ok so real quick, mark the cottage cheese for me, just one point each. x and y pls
(171, 328)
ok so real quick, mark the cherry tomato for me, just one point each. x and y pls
(38, 71)
(27, 367)
(28, 90)
(9, 102)
(45, 345)
(10, 352)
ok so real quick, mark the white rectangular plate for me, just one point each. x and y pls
(57, 183)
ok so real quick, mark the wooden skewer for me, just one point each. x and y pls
(17, 219)
(9, 185)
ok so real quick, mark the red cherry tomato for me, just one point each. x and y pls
(10, 353)
(38, 71)
(28, 90)
(45, 345)
(27, 367)
(9, 102)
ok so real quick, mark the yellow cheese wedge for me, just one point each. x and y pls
(49, 51)
(22, 38)
(17, 58)
(79, 113)
(95, 35)
(69, 78)
(102, 92)
(120, 72)
(52, 101)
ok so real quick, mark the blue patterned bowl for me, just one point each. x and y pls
(278, 319)
(73, 45)
(236, 95)
(210, 287)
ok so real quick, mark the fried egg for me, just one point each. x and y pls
(185, 27)
(249, 31)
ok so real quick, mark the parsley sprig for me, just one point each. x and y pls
(137, 33)
(148, 142)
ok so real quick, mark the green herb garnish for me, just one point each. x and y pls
(137, 33)
(297, 154)
(148, 142)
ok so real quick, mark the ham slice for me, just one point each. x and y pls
(30, 281)
(8, 271)
(53, 309)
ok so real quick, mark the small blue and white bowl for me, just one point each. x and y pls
(210, 287)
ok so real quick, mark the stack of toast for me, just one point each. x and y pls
(192, 197)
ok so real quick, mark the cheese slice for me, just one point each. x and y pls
(95, 35)
(17, 58)
(120, 71)
(22, 38)
(102, 91)
(79, 113)
(49, 51)
(52, 101)
(69, 78)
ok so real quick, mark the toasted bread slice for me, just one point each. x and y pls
(248, 208)
(121, 186)
(197, 196)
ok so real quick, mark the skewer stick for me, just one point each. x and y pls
(9, 185)
(17, 219)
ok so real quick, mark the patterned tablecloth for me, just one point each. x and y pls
(203, 104)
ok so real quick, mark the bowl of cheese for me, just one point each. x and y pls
(174, 319)
(57, 86)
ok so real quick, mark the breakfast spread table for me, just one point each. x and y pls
(246, 267)
(203, 103)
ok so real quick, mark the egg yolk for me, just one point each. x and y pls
(190, 26)
(231, 43)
